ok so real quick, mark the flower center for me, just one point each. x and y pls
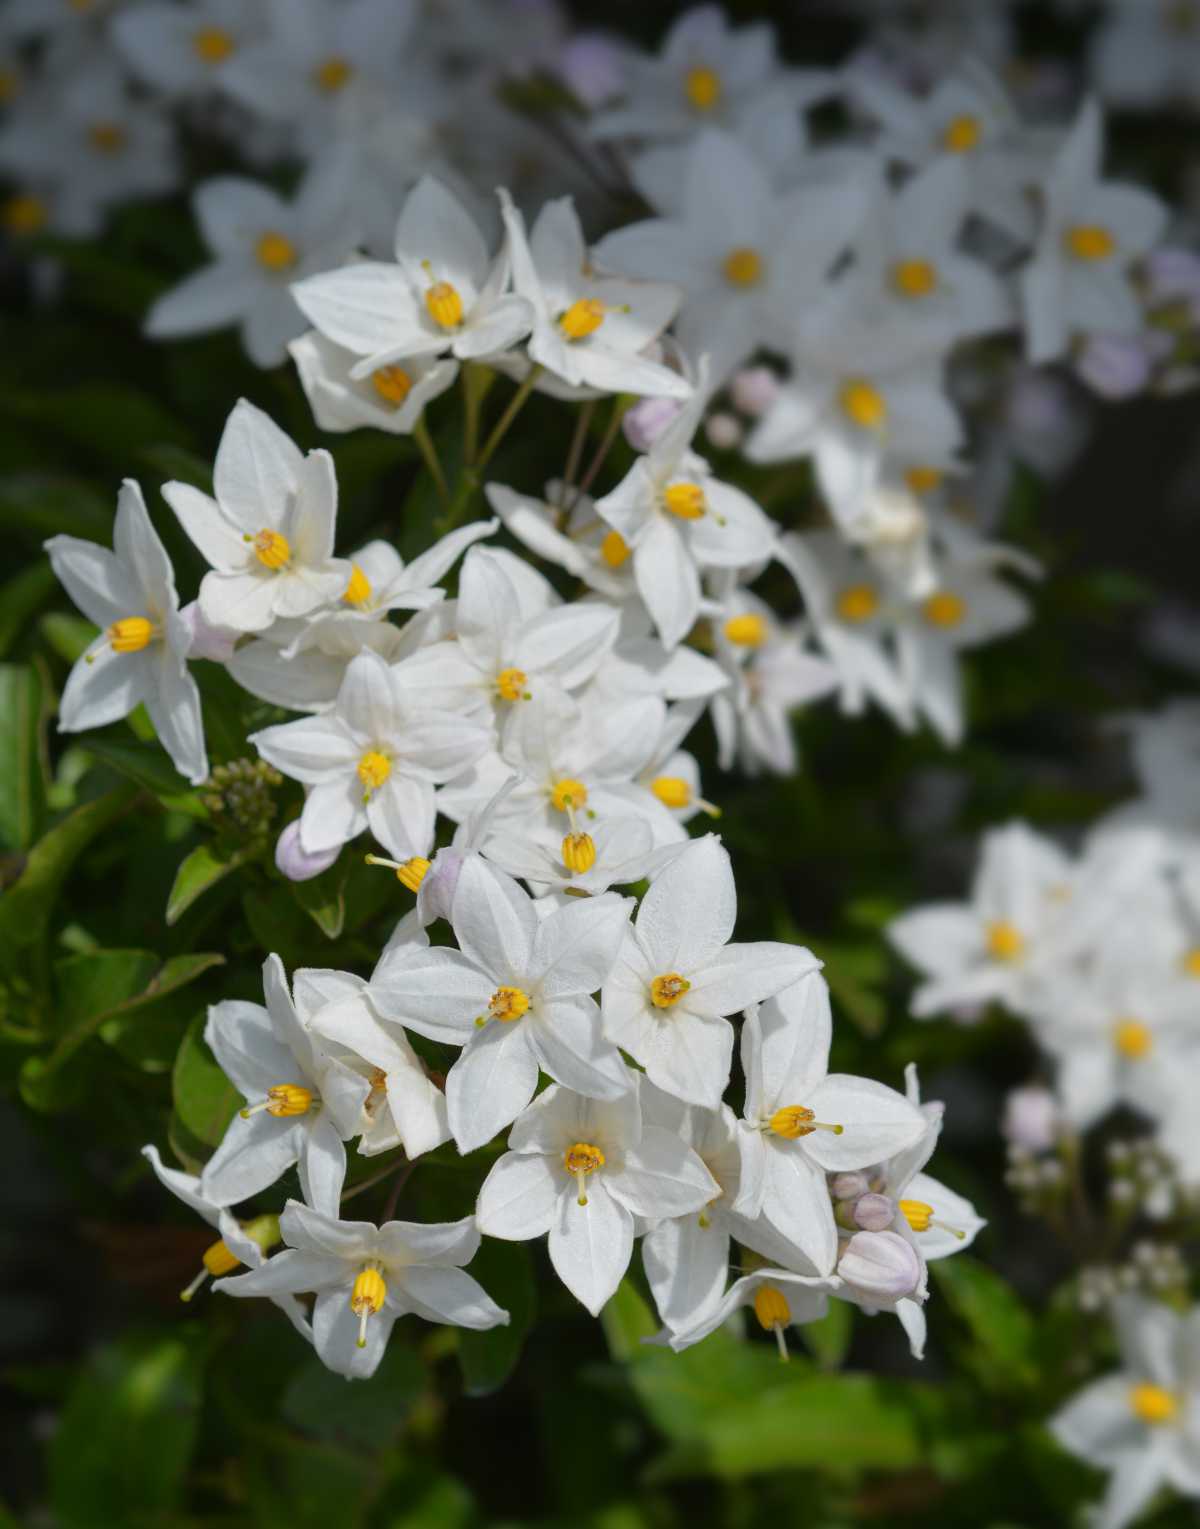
(24, 214)
(568, 795)
(923, 480)
(508, 1003)
(702, 87)
(748, 631)
(580, 1160)
(367, 1298)
(863, 404)
(131, 634)
(373, 769)
(1153, 1404)
(271, 548)
(582, 318)
(1005, 942)
(668, 989)
(917, 1214)
(774, 1314)
(412, 873)
(1133, 1039)
(444, 305)
(510, 683)
(1191, 962)
(742, 267)
(795, 1120)
(944, 609)
(392, 383)
(217, 1260)
(614, 549)
(358, 590)
(275, 251)
(857, 602)
(333, 74)
(962, 134)
(212, 45)
(685, 500)
(283, 1100)
(1088, 241)
(107, 137)
(914, 278)
(579, 853)
(671, 790)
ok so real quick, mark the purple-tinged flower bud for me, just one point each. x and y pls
(723, 431)
(439, 883)
(848, 1186)
(1173, 274)
(1114, 366)
(1031, 1118)
(753, 390)
(646, 420)
(874, 1213)
(295, 861)
(880, 1267)
(592, 67)
(213, 642)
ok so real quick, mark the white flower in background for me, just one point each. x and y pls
(677, 976)
(1140, 1423)
(268, 533)
(186, 50)
(986, 950)
(381, 581)
(1093, 233)
(392, 398)
(580, 1170)
(445, 294)
(590, 330)
(1146, 57)
(365, 1276)
(141, 653)
(779, 1299)
(800, 1124)
(260, 243)
(614, 853)
(373, 761)
(515, 996)
(563, 528)
(301, 1104)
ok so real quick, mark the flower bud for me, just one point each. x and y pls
(874, 1213)
(591, 65)
(880, 1267)
(295, 861)
(213, 642)
(646, 420)
(1173, 274)
(723, 431)
(848, 1186)
(1030, 1118)
(439, 883)
(753, 390)
(1114, 366)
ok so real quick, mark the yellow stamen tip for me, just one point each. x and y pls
(857, 602)
(747, 631)
(1005, 942)
(24, 214)
(914, 278)
(568, 794)
(275, 251)
(358, 590)
(742, 267)
(1133, 1039)
(923, 480)
(508, 1003)
(961, 135)
(582, 318)
(945, 609)
(1153, 1404)
(672, 790)
(374, 769)
(333, 74)
(917, 1214)
(668, 989)
(792, 1121)
(614, 549)
(392, 383)
(511, 683)
(131, 634)
(703, 88)
(686, 500)
(272, 549)
(444, 305)
(863, 404)
(1089, 242)
(579, 853)
(107, 137)
(771, 1308)
(212, 44)
(412, 873)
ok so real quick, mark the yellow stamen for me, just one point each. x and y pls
(794, 1120)
(944, 609)
(508, 1003)
(579, 853)
(511, 685)
(774, 1314)
(668, 989)
(917, 1214)
(332, 75)
(24, 214)
(107, 137)
(1087, 241)
(857, 602)
(131, 634)
(671, 790)
(863, 404)
(579, 1161)
(392, 383)
(914, 278)
(283, 1100)
(614, 549)
(275, 251)
(367, 1298)
(923, 480)
(373, 770)
(1153, 1404)
(568, 795)
(272, 549)
(444, 305)
(747, 631)
(1191, 962)
(742, 267)
(212, 44)
(1133, 1039)
(702, 87)
(358, 590)
(412, 873)
(1005, 942)
(962, 135)
(582, 318)
(685, 500)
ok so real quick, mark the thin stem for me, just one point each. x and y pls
(575, 451)
(620, 404)
(515, 404)
(428, 450)
(376, 1178)
(402, 1178)
(475, 382)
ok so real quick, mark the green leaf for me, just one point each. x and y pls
(20, 598)
(829, 1339)
(125, 1439)
(22, 789)
(69, 636)
(505, 1270)
(204, 1097)
(102, 417)
(365, 1417)
(180, 465)
(197, 872)
(150, 766)
(43, 506)
(324, 900)
(1001, 1328)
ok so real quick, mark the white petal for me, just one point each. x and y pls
(662, 1176)
(448, 1295)
(877, 1122)
(518, 1197)
(796, 1202)
(494, 921)
(258, 469)
(490, 1084)
(576, 947)
(687, 1264)
(591, 1245)
(568, 1041)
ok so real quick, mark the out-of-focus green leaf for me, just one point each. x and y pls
(150, 766)
(323, 899)
(41, 506)
(19, 599)
(421, 1497)
(22, 790)
(204, 1097)
(178, 465)
(104, 418)
(125, 1439)
(197, 872)
(1001, 1350)
(829, 1339)
(505, 1270)
(69, 636)
(363, 1417)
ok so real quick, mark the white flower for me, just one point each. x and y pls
(614, 853)
(515, 996)
(301, 1104)
(1147, 56)
(801, 1124)
(366, 1276)
(141, 653)
(677, 976)
(373, 761)
(1141, 1422)
(186, 50)
(580, 1170)
(1092, 233)
(779, 1298)
(393, 398)
(268, 533)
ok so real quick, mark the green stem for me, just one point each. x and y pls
(428, 451)
(476, 380)
(515, 404)
(575, 452)
(620, 404)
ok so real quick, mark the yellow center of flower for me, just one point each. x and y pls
(857, 602)
(272, 549)
(579, 853)
(863, 404)
(444, 305)
(1133, 1039)
(24, 214)
(702, 87)
(581, 1159)
(742, 267)
(944, 609)
(771, 1308)
(10, 83)
(1191, 962)
(747, 631)
(275, 251)
(333, 74)
(131, 634)
(568, 795)
(373, 769)
(218, 1260)
(283, 1100)
(582, 318)
(107, 137)
(614, 549)
(923, 480)
(1088, 241)
(685, 500)
(671, 790)
(508, 1003)
(212, 44)
(917, 1214)
(510, 683)
(1153, 1404)
(358, 590)
(914, 278)
(412, 873)
(367, 1298)
(795, 1120)
(668, 989)
(962, 134)
(1005, 942)
(392, 383)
